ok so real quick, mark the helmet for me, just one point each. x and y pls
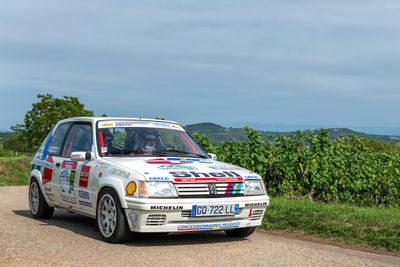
(149, 143)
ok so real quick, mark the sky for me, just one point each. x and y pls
(306, 62)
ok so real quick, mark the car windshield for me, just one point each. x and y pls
(145, 139)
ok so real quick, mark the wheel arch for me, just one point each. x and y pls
(36, 175)
(114, 184)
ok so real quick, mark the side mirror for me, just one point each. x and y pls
(212, 156)
(81, 156)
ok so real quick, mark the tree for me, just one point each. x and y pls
(43, 117)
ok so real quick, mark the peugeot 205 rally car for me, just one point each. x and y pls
(142, 175)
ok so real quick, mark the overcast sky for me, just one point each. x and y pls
(269, 62)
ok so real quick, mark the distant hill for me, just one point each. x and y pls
(4, 136)
(218, 134)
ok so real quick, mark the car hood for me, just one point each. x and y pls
(178, 169)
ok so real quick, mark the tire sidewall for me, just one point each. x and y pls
(33, 181)
(121, 229)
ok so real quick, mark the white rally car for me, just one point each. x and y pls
(142, 175)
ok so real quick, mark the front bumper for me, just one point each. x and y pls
(174, 215)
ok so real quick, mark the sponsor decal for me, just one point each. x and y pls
(161, 161)
(208, 226)
(102, 165)
(251, 177)
(225, 168)
(183, 174)
(149, 124)
(66, 184)
(177, 167)
(104, 149)
(106, 124)
(121, 173)
(85, 203)
(205, 180)
(69, 165)
(84, 176)
(158, 178)
(124, 123)
(166, 207)
(83, 194)
(130, 188)
(47, 175)
(233, 189)
(256, 205)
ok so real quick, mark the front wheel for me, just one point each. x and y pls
(240, 232)
(37, 204)
(111, 219)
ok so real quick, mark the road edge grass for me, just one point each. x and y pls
(376, 228)
(14, 170)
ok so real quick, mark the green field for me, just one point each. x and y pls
(14, 170)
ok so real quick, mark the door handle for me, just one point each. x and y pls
(58, 164)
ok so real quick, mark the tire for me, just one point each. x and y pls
(240, 232)
(37, 204)
(110, 218)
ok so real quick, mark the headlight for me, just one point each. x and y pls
(254, 187)
(157, 189)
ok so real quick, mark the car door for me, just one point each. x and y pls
(75, 180)
(53, 160)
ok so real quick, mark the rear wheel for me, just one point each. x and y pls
(240, 232)
(111, 219)
(37, 204)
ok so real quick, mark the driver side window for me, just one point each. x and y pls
(79, 139)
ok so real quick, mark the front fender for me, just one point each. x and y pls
(114, 183)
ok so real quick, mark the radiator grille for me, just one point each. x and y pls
(155, 219)
(203, 189)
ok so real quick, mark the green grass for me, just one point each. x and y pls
(14, 170)
(376, 228)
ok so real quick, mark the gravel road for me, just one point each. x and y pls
(70, 240)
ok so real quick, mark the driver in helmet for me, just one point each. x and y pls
(149, 145)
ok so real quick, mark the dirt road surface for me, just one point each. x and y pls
(70, 240)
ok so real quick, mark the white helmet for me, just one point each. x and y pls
(149, 143)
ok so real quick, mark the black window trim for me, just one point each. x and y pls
(72, 123)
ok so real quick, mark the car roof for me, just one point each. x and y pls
(95, 119)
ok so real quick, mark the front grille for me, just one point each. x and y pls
(188, 213)
(202, 190)
(256, 215)
(155, 219)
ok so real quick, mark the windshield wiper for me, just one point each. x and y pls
(166, 151)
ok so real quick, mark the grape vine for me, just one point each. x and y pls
(349, 169)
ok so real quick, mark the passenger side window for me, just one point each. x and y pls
(58, 138)
(79, 139)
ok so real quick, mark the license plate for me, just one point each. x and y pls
(215, 210)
